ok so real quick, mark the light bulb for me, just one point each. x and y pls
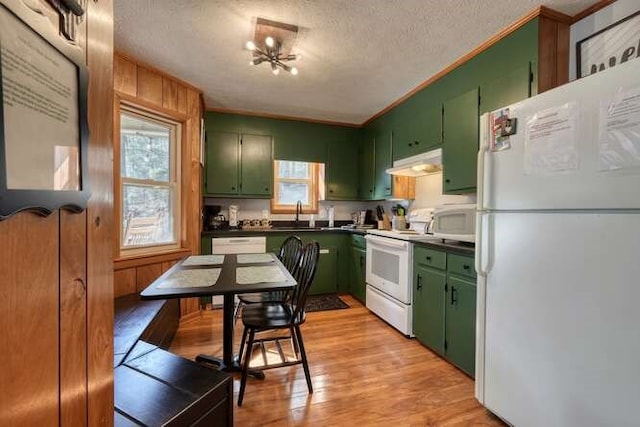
(269, 41)
(251, 45)
(275, 71)
(298, 56)
(251, 63)
(294, 71)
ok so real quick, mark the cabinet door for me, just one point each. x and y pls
(382, 188)
(460, 324)
(222, 167)
(426, 130)
(366, 167)
(326, 278)
(428, 307)
(341, 175)
(510, 87)
(257, 165)
(358, 270)
(460, 149)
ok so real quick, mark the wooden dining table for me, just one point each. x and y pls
(226, 275)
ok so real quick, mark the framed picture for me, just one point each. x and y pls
(613, 45)
(43, 119)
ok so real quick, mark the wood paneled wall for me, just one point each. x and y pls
(56, 272)
(146, 87)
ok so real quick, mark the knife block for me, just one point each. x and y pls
(385, 224)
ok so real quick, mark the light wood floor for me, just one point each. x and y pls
(364, 373)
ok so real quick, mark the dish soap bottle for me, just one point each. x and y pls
(331, 212)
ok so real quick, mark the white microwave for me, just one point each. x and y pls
(455, 222)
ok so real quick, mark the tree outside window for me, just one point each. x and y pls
(295, 181)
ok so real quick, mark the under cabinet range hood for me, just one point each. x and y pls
(418, 165)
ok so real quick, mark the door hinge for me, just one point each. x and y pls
(479, 99)
(445, 345)
(446, 288)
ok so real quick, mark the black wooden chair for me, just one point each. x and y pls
(290, 253)
(272, 316)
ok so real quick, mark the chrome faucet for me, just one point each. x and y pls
(298, 211)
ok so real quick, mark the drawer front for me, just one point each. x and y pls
(358, 241)
(461, 265)
(429, 257)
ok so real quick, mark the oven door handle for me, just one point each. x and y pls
(390, 243)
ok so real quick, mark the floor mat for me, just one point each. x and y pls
(324, 302)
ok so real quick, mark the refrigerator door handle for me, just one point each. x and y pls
(483, 162)
(483, 243)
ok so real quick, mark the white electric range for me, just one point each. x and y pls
(389, 273)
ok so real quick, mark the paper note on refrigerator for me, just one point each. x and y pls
(619, 135)
(551, 140)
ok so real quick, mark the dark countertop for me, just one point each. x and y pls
(246, 233)
(446, 245)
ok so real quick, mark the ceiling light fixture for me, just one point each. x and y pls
(271, 52)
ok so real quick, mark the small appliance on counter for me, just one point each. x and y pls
(420, 220)
(455, 222)
(233, 216)
(212, 219)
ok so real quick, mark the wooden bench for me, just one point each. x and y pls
(154, 387)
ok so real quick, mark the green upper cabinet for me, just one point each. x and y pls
(511, 86)
(460, 143)
(222, 172)
(417, 130)
(238, 164)
(341, 175)
(256, 171)
(382, 162)
(366, 166)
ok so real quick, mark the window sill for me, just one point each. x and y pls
(136, 260)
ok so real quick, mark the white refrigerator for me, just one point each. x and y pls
(558, 255)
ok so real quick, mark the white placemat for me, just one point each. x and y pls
(203, 260)
(259, 274)
(254, 258)
(191, 278)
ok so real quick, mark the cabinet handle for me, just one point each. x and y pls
(416, 142)
(409, 144)
(454, 295)
(371, 190)
(428, 258)
(266, 189)
(466, 267)
(447, 180)
(419, 286)
(361, 261)
(233, 188)
(387, 188)
(330, 191)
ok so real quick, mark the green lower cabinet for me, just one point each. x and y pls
(460, 323)
(444, 305)
(428, 307)
(358, 285)
(326, 279)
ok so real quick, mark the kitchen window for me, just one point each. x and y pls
(149, 193)
(295, 181)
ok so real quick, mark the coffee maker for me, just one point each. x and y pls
(212, 219)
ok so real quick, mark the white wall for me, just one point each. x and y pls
(429, 193)
(596, 22)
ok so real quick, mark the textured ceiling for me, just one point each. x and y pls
(358, 55)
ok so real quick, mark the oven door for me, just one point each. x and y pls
(389, 267)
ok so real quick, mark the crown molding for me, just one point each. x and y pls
(281, 117)
(591, 10)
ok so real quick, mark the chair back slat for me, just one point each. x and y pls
(304, 276)
(290, 253)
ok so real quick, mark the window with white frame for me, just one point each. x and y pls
(149, 182)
